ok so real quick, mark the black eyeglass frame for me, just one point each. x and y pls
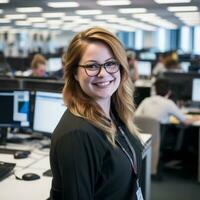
(100, 67)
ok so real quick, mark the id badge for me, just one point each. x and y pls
(139, 192)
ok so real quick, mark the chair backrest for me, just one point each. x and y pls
(152, 126)
(148, 125)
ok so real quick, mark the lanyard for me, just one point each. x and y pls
(133, 160)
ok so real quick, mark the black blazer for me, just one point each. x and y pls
(86, 166)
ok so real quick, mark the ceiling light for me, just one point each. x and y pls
(4, 21)
(70, 18)
(36, 19)
(88, 12)
(117, 20)
(63, 4)
(182, 8)
(113, 2)
(40, 25)
(53, 15)
(187, 14)
(82, 21)
(23, 23)
(18, 16)
(146, 15)
(54, 22)
(132, 10)
(29, 9)
(172, 1)
(105, 16)
(4, 1)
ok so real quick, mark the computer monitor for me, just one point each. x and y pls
(44, 85)
(14, 108)
(144, 68)
(147, 56)
(48, 109)
(196, 89)
(54, 64)
(185, 66)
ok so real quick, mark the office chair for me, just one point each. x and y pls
(152, 126)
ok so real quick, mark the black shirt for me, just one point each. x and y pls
(86, 166)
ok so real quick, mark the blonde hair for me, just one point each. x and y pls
(37, 59)
(79, 103)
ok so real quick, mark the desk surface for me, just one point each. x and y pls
(37, 162)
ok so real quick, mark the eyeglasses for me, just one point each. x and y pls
(94, 69)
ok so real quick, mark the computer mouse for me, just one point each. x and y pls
(30, 177)
(21, 154)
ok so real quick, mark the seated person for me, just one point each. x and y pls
(38, 66)
(167, 63)
(159, 67)
(161, 108)
(172, 65)
(133, 65)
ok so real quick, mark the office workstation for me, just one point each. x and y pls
(28, 154)
(163, 37)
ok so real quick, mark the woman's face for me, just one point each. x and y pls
(40, 70)
(102, 86)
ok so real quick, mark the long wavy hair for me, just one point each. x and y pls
(79, 103)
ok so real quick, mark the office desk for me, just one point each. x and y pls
(196, 124)
(38, 162)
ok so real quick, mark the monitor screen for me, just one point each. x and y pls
(196, 89)
(185, 66)
(48, 109)
(147, 56)
(54, 64)
(144, 68)
(14, 108)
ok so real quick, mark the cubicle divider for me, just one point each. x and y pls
(31, 84)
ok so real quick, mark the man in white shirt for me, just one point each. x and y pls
(160, 108)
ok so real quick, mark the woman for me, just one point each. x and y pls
(133, 65)
(95, 151)
(38, 66)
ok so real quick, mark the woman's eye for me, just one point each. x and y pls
(108, 64)
(93, 66)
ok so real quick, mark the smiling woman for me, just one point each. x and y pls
(95, 146)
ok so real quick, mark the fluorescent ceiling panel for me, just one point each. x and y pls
(17, 16)
(4, 21)
(4, 1)
(88, 12)
(182, 8)
(63, 4)
(171, 1)
(113, 2)
(29, 9)
(132, 10)
(53, 15)
(105, 17)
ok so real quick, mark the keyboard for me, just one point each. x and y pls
(12, 151)
(6, 169)
(48, 173)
